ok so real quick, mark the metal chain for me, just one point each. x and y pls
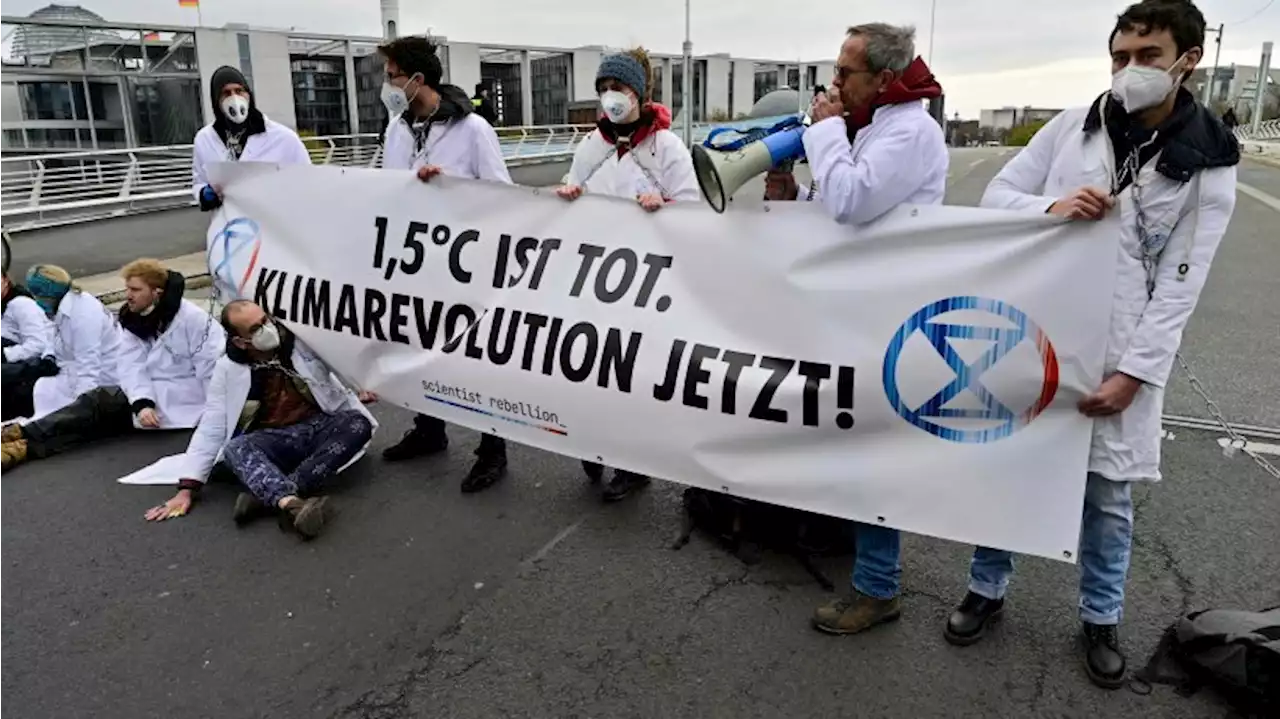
(1237, 442)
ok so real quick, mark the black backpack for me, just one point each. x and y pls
(1237, 653)
(746, 527)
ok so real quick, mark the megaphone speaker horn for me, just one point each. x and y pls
(722, 171)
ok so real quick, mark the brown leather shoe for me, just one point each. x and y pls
(304, 516)
(13, 454)
(856, 613)
(11, 433)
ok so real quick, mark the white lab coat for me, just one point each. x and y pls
(228, 392)
(86, 346)
(899, 158)
(466, 146)
(660, 164)
(278, 144)
(1144, 334)
(174, 369)
(25, 323)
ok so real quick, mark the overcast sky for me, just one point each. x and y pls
(986, 53)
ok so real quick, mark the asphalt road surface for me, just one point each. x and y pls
(533, 599)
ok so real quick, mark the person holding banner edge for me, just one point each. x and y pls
(898, 156)
(632, 154)
(238, 132)
(435, 131)
(1171, 166)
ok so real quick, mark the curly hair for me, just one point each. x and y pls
(641, 55)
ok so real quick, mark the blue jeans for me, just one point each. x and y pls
(1106, 541)
(876, 570)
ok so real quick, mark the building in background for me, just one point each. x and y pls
(72, 80)
(1236, 86)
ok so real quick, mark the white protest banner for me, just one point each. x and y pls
(921, 373)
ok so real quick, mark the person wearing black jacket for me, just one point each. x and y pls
(482, 104)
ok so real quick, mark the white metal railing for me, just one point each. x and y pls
(42, 190)
(1267, 130)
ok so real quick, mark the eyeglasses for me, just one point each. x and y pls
(843, 73)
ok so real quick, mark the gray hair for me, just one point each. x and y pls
(889, 47)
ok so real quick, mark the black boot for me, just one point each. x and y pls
(1102, 657)
(622, 484)
(594, 470)
(490, 466)
(427, 437)
(969, 622)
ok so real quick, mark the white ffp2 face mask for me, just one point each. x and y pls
(236, 109)
(616, 105)
(394, 99)
(267, 338)
(1138, 88)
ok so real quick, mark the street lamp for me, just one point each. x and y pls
(687, 81)
(933, 15)
(1208, 84)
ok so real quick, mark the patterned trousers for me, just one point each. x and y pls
(290, 461)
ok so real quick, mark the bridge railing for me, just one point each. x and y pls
(1267, 130)
(44, 190)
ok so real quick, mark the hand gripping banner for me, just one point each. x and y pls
(921, 372)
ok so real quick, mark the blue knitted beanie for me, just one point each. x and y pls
(624, 69)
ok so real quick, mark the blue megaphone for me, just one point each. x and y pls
(724, 165)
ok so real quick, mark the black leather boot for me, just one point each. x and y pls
(1102, 657)
(969, 622)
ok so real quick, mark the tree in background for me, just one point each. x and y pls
(1022, 134)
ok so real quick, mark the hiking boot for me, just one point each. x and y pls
(1103, 660)
(622, 484)
(970, 620)
(11, 433)
(484, 473)
(856, 613)
(304, 516)
(416, 443)
(247, 509)
(13, 454)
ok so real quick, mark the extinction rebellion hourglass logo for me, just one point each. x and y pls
(233, 257)
(975, 377)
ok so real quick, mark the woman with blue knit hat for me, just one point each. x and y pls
(86, 340)
(633, 154)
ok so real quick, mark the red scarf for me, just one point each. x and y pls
(916, 83)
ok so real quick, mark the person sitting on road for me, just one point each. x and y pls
(86, 341)
(632, 154)
(279, 418)
(239, 132)
(166, 359)
(27, 337)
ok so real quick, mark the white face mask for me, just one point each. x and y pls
(395, 99)
(1138, 88)
(267, 338)
(236, 109)
(616, 105)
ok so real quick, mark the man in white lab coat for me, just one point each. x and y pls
(281, 421)
(1150, 153)
(239, 132)
(434, 131)
(897, 156)
(27, 338)
(168, 347)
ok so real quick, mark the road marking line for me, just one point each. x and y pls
(546, 548)
(977, 162)
(1254, 447)
(1259, 195)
